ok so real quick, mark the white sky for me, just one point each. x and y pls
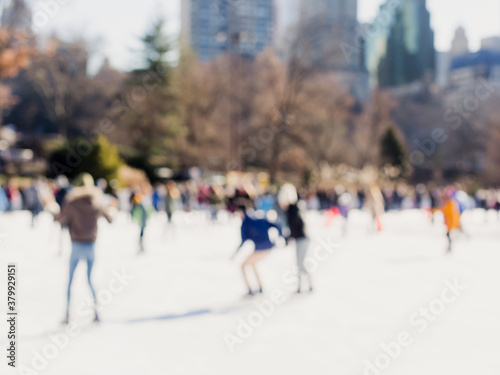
(114, 26)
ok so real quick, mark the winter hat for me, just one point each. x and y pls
(84, 180)
(287, 195)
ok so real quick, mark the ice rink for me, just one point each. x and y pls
(384, 303)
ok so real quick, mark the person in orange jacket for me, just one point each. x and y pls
(451, 213)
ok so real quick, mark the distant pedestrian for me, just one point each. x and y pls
(451, 213)
(375, 204)
(32, 201)
(171, 198)
(140, 215)
(4, 201)
(63, 188)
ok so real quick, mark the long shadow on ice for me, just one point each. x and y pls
(189, 314)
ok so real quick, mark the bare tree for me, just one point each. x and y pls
(14, 55)
(59, 76)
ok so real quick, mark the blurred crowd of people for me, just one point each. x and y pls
(37, 194)
(215, 195)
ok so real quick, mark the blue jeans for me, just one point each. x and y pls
(86, 251)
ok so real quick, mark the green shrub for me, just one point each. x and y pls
(96, 156)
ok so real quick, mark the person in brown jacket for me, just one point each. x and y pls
(80, 212)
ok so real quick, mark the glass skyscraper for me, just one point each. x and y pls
(215, 27)
(401, 50)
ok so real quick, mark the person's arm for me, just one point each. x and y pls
(63, 216)
(244, 238)
(109, 213)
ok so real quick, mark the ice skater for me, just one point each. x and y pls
(32, 201)
(345, 203)
(257, 231)
(172, 196)
(288, 201)
(4, 202)
(375, 204)
(451, 213)
(140, 215)
(63, 189)
(80, 212)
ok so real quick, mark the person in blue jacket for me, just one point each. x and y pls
(4, 201)
(256, 231)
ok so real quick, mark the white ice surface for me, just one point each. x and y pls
(186, 294)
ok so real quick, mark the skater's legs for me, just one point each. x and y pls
(252, 260)
(73, 263)
(81, 250)
(344, 225)
(302, 245)
(141, 240)
(90, 265)
(245, 278)
(257, 276)
(378, 223)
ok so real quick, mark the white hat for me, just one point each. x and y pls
(287, 195)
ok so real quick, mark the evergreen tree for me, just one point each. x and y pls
(150, 103)
(155, 48)
(392, 151)
(96, 156)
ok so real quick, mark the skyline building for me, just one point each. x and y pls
(214, 27)
(459, 46)
(491, 43)
(460, 43)
(402, 51)
(471, 70)
(333, 9)
(326, 28)
(17, 14)
(327, 34)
